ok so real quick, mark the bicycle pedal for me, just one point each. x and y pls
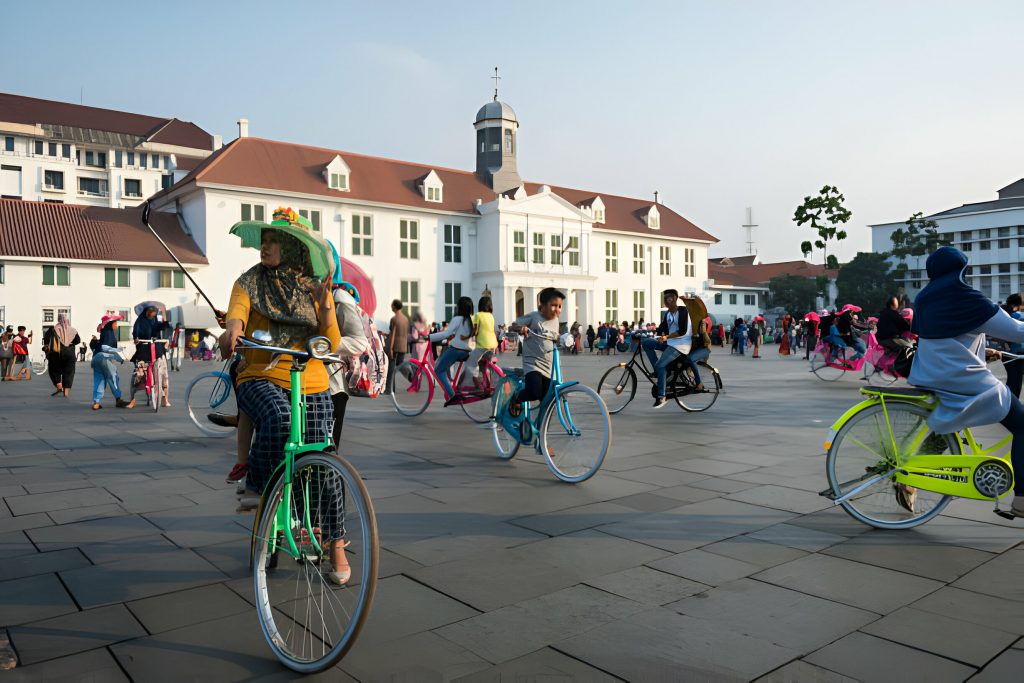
(828, 493)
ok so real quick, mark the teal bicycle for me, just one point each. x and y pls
(309, 611)
(572, 430)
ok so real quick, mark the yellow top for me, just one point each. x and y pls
(314, 379)
(485, 337)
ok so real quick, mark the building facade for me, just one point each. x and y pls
(991, 233)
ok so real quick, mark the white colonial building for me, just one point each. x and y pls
(991, 233)
(66, 153)
(428, 235)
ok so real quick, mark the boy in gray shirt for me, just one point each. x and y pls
(537, 352)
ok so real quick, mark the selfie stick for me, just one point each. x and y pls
(145, 220)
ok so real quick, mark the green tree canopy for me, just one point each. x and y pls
(794, 293)
(826, 213)
(866, 282)
(918, 238)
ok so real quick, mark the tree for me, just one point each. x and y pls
(918, 238)
(794, 293)
(826, 214)
(866, 281)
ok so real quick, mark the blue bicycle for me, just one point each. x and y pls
(572, 429)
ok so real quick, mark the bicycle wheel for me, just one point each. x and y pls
(863, 448)
(210, 392)
(820, 367)
(309, 621)
(698, 401)
(575, 434)
(156, 391)
(412, 387)
(505, 443)
(40, 366)
(481, 411)
(617, 388)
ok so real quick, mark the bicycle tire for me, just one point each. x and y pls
(824, 371)
(201, 400)
(280, 613)
(415, 389)
(617, 390)
(506, 444)
(695, 402)
(40, 367)
(575, 447)
(850, 457)
(482, 410)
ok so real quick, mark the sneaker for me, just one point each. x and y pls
(121, 403)
(660, 402)
(237, 473)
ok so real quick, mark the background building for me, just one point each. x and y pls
(739, 285)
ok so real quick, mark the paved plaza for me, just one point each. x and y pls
(701, 551)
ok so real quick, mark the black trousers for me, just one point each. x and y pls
(1014, 376)
(1014, 422)
(340, 401)
(535, 386)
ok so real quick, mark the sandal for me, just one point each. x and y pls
(97, 406)
(343, 573)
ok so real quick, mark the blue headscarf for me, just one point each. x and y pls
(337, 280)
(948, 306)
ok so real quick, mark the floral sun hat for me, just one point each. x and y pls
(287, 221)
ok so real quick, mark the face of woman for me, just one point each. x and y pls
(270, 250)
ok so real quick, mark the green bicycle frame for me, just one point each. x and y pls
(948, 474)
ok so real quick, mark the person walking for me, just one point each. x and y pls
(6, 351)
(20, 367)
(785, 345)
(60, 342)
(755, 333)
(739, 336)
(398, 341)
(104, 354)
(591, 335)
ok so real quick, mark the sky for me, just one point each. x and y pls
(719, 105)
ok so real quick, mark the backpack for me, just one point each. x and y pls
(369, 373)
(699, 321)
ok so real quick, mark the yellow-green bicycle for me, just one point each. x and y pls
(888, 469)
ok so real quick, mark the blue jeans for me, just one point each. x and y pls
(104, 375)
(860, 347)
(651, 347)
(692, 358)
(450, 357)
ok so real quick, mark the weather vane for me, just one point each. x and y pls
(496, 78)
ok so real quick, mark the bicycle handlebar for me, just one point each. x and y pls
(248, 343)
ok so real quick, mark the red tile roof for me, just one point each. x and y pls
(93, 233)
(171, 131)
(760, 274)
(273, 165)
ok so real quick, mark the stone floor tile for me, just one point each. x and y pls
(92, 531)
(1005, 667)
(25, 522)
(33, 598)
(647, 586)
(661, 645)
(15, 543)
(686, 493)
(42, 563)
(86, 513)
(71, 633)
(662, 476)
(423, 656)
(392, 564)
(998, 577)
(852, 583)
(867, 658)
(187, 607)
(967, 533)
(911, 554)
(648, 502)
(708, 568)
(801, 538)
(470, 543)
(60, 500)
(583, 517)
(713, 468)
(944, 635)
(833, 520)
(786, 617)
(782, 498)
(754, 551)
(546, 665)
(94, 666)
(139, 576)
(722, 484)
(125, 548)
(404, 607)
(519, 629)
(800, 671)
(977, 608)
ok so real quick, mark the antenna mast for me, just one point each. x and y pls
(750, 225)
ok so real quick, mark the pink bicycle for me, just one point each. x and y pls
(828, 362)
(413, 383)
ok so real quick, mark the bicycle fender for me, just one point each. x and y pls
(566, 385)
(838, 424)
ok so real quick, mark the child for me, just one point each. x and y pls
(538, 353)
(20, 350)
(486, 337)
(739, 335)
(460, 331)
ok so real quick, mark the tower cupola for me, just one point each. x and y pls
(496, 131)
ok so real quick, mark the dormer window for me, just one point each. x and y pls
(336, 174)
(597, 207)
(599, 215)
(653, 218)
(432, 186)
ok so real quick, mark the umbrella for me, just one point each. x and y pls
(813, 316)
(758, 319)
(139, 308)
(361, 281)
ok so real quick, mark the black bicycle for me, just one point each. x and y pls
(618, 385)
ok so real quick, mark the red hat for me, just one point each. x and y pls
(106, 319)
(850, 307)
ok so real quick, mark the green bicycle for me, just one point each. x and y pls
(308, 620)
(886, 467)
(572, 430)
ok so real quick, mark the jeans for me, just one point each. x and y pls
(450, 357)
(661, 366)
(691, 361)
(104, 374)
(860, 347)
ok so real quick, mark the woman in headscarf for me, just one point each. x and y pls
(105, 353)
(952, 320)
(784, 345)
(419, 335)
(60, 342)
(280, 295)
